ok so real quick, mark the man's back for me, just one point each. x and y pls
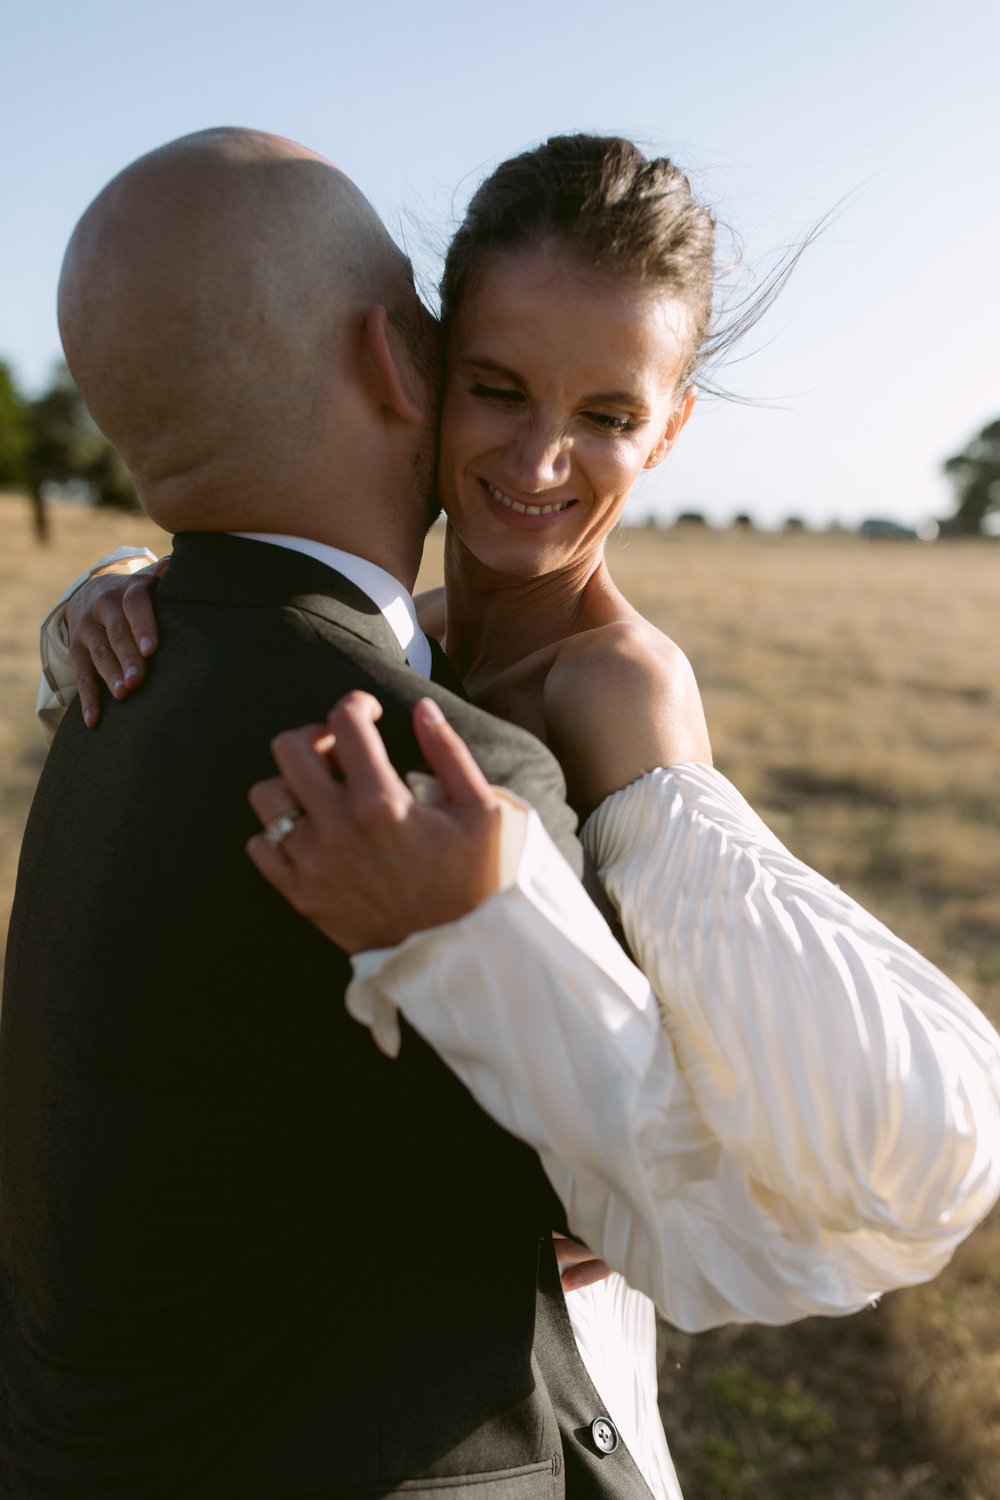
(242, 1252)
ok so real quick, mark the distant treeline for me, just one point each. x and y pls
(50, 440)
(975, 477)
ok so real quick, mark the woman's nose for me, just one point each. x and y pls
(539, 458)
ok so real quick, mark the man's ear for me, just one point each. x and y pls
(391, 380)
(671, 432)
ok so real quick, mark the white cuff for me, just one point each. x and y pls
(366, 1002)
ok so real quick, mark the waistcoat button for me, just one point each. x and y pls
(605, 1434)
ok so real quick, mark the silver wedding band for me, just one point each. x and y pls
(279, 828)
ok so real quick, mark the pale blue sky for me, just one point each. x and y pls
(881, 357)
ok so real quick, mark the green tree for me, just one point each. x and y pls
(13, 430)
(975, 474)
(110, 478)
(53, 440)
(18, 441)
(61, 442)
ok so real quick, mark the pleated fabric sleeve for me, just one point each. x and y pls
(804, 1114)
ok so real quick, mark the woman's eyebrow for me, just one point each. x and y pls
(483, 362)
(618, 398)
(612, 398)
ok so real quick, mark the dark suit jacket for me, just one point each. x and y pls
(242, 1254)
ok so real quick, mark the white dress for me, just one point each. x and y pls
(805, 1115)
(615, 1331)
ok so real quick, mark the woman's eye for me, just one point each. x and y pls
(503, 394)
(609, 423)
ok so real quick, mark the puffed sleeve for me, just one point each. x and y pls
(812, 1116)
(841, 1068)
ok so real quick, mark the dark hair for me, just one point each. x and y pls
(615, 210)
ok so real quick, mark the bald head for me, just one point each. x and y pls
(210, 304)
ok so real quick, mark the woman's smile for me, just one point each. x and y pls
(524, 512)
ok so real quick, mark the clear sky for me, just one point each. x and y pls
(881, 357)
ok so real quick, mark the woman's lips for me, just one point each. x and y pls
(519, 508)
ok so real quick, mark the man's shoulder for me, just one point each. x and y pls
(256, 640)
(512, 757)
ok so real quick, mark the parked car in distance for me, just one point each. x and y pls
(878, 527)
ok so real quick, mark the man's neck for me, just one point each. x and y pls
(335, 556)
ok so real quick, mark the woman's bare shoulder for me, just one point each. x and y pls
(619, 701)
(621, 657)
(431, 612)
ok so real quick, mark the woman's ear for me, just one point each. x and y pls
(390, 369)
(671, 432)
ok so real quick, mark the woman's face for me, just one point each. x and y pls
(560, 387)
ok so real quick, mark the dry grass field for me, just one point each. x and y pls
(853, 691)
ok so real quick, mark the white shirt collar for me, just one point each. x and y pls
(380, 587)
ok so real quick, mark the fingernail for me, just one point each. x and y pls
(88, 717)
(118, 686)
(146, 645)
(431, 711)
(132, 674)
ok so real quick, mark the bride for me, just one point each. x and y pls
(818, 1120)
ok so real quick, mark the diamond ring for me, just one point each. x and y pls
(279, 828)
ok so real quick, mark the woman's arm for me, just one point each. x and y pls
(102, 627)
(832, 1136)
(531, 1003)
(430, 606)
(841, 1070)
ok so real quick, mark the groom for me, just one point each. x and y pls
(242, 1254)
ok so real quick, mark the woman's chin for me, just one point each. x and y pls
(512, 555)
(519, 551)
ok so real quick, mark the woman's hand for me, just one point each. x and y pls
(361, 856)
(578, 1266)
(112, 627)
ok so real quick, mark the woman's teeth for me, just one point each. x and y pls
(526, 510)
